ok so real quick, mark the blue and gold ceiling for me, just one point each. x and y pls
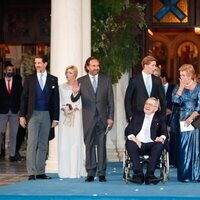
(170, 11)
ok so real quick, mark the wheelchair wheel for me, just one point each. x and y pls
(164, 166)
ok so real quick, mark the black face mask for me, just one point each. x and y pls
(9, 74)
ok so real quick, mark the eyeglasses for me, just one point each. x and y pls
(149, 104)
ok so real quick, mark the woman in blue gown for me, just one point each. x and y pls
(187, 96)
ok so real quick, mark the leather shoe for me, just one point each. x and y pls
(137, 178)
(89, 179)
(43, 176)
(151, 179)
(102, 179)
(13, 159)
(31, 177)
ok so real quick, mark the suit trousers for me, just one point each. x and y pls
(13, 120)
(38, 138)
(153, 149)
(95, 140)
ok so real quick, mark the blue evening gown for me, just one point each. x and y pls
(188, 161)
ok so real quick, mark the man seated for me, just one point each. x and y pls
(146, 134)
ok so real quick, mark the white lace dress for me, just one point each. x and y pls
(71, 148)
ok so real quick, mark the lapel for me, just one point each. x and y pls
(154, 125)
(99, 85)
(89, 86)
(153, 84)
(4, 85)
(141, 79)
(49, 84)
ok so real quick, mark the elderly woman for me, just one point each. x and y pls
(187, 96)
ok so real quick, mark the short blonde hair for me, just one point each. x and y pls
(147, 60)
(73, 68)
(189, 69)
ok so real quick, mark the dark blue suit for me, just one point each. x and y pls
(154, 149)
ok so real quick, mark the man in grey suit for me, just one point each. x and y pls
(40, 106)
(142, 86)
(96, 93)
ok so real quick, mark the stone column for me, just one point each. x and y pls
(115, 139)
(70, 44)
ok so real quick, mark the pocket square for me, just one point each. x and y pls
(53, 87)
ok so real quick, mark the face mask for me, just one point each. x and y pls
(9, 74)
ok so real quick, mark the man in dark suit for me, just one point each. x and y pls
(146, 134)
(96, 94)
(168, 89)
(10, 92)
(142, 86)
(40, 106)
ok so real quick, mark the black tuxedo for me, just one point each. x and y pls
(10, 101)
(136, 94)
(154, 149)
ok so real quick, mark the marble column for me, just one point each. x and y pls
(70, 44)
(115, 139)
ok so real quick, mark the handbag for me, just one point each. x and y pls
(196, 122)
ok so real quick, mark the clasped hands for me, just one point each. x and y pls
(139, 144)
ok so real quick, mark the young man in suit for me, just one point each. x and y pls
(142, 86)
(39, 111)
(96, 94)
(146, 134)
(10, 92)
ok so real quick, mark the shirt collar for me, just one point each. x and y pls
(44, 73)
(145, 75)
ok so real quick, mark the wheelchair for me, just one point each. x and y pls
(163, 165)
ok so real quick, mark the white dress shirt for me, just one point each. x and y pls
(44, 77)
(148, 81)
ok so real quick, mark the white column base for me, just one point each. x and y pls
(52, 161)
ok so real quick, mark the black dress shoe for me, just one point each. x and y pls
(151, 179)
(137, 178)
(89, 179)
(102, 179)
(43, 176)
(31, 177)
(13, 159)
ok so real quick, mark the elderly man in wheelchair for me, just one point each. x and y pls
(146, 134)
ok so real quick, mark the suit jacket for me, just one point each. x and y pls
(102, 101)
(158, 125)
(12, 100)
(29, 93)
(169, 95)
(136, 94)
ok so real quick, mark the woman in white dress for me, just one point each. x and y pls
(71, 149)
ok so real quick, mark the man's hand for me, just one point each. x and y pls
(159, 139)
(54, 124)
(134, 139)
(22, 122)
(110, 122)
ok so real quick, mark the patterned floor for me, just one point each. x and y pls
(12, 172)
